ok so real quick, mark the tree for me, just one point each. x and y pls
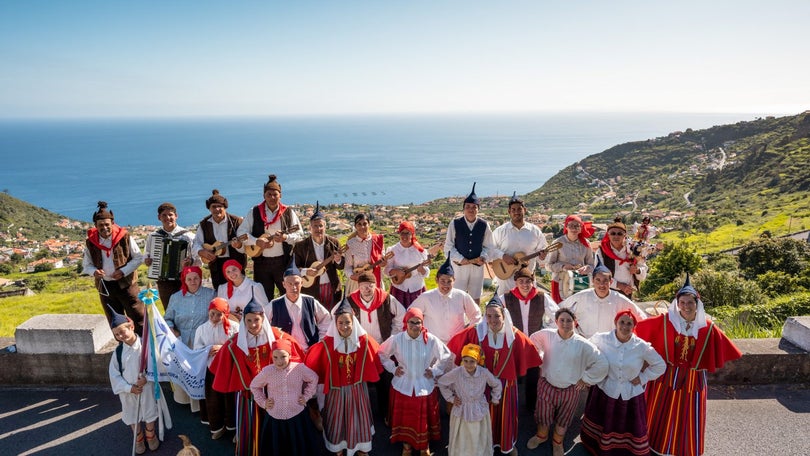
(668, 265)
(787, 255)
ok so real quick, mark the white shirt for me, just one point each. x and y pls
(595, 314)
(626, 360)
(450, 242)
(294, 308)
(122, 380)
(446, 315)
(220, 230)
(107, 261)
(415, 356)
(510, 240)
(406, 258)
(277, 249)
(567, 361)
(243, 293)
(622, 270)
(208, 335)
(358, 253)
(373, 327)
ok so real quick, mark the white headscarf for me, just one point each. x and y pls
(507, 330)
(265, 336)
(353, 341)
(680, 324)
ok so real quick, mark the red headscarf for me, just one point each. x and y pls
(221, 304)
(282, 344)
(586, 231)
(411, 313)
(186, 271)
(625, 312)
(408, 226)
(225, 265)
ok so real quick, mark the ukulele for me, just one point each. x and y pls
(370, 266)
(255, 250)
(504, 271)
(219, 248)
(319, 267)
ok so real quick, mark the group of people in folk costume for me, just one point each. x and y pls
(281, 369)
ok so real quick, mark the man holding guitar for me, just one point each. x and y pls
(324, 256)
(216, 241)
(409, 267)
(274, 228)
(517, 237)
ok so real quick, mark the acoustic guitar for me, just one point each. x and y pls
(399, 275)
(504, 271)
(219, 248)
(255, 250)
(319, 267)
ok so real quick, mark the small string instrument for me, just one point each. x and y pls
(319, 267)
(399, 275)
(219, 248)
(255, 250)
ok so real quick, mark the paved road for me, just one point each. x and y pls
(752, 420)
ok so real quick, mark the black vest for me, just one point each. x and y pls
(281, 318)
(469, 243)
(384, 316)
(537, 308)
(258, 228)
(233, 223)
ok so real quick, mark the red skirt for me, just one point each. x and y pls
(415, 419)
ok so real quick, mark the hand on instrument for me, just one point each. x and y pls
(147, 261)
(508, 259)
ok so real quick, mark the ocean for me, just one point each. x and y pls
(66, 166)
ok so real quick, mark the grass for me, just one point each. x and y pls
(741, 329)
(18, 309)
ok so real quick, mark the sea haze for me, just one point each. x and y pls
(68, 165)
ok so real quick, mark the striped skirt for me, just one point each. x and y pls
(615, 427)
(676, 412)
(415, 419)
(505, 417)
(348, 424)
(249, 420)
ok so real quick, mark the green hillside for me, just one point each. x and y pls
(36, 223)
(734, 180)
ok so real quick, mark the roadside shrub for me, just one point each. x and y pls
(721, 288)
(776, 283)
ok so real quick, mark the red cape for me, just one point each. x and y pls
(712, 347)
(232, 370)
(522, 357)
(332, 370)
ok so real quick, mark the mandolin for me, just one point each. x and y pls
(219, 248)
(255, 250)
(399, 275)
(504, 271)
(319, 267)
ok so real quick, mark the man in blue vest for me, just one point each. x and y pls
(469, 242)
(299, 315)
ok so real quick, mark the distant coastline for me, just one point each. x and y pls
(380, 160)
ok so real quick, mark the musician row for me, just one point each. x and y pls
(271, 234)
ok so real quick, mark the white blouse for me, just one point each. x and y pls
(625, 361)
(414, 356)
(567, 361)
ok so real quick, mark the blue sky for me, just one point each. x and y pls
(110, 58)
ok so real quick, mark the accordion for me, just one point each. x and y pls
(167, 258)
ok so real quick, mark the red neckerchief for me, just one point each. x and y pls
(263, 212)
(608, 250)
(532, 294)
(118, 233)
(376, 301)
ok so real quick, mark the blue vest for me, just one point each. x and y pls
(469, 244)
(281, 318)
